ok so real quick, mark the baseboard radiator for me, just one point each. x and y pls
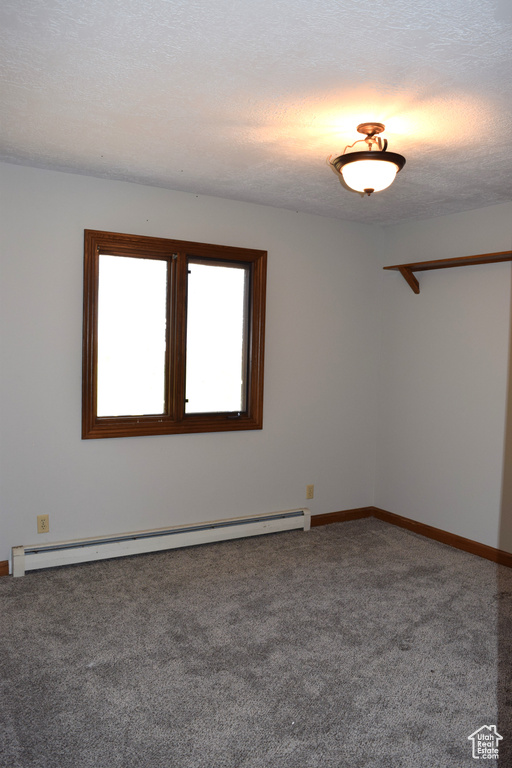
(36, 556)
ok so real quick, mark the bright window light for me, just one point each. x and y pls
(216, 338)
(132, 303)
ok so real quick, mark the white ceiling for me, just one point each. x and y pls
(245, 100)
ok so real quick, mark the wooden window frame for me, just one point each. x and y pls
(174, 420)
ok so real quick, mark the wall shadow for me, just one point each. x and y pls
(504, 586)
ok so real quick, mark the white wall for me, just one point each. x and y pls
(339, 331)
(320, 367)
(443, 380)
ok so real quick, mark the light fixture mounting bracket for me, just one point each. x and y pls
(370, 129)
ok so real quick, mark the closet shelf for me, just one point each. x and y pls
(407, 270)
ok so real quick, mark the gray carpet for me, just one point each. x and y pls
(356, 644)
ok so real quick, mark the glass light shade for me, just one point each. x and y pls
(369, 174)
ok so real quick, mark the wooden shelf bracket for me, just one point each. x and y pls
(407, 270)
(408, 275)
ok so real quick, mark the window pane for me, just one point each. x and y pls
(216, 371)
(132, 300)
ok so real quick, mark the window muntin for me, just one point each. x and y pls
(182, 374)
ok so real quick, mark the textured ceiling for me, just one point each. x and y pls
(245, 100)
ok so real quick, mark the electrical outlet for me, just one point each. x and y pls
(43, 523)
(310, 491)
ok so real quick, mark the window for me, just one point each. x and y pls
(173, 338)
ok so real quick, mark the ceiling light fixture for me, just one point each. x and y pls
(371, 170)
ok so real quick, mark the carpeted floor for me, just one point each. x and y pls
(353, 645)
